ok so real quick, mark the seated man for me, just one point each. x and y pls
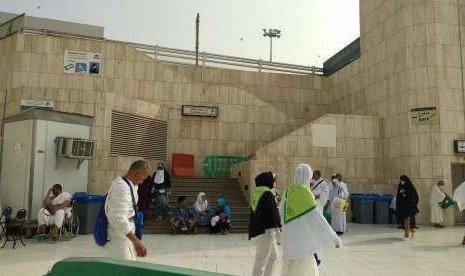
(56, 204)
(182, 219)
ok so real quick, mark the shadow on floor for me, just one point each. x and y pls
(374, 242)
(443, 247)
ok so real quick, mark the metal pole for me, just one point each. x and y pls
(197, 22)
(271, 49)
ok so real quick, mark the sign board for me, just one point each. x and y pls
(201, 111)
(425, 115)
(459, 146)
(27, 105)
(323, 135)
(82, 63)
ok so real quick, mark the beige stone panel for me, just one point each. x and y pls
(88, 83)
(426, 167)
(416, 35)
(447, 120)
(168, 74)
(119, 68)
(447, 34)
(88, 109)
(33, 79)
(157, 91)
(108, 68)
(460, 122)
(130, 68)
(453, 77)
(120, 87)
(109, 50)
(231, 148)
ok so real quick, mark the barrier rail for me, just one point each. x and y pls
(186, 57)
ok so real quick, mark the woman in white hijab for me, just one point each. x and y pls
(202, 210)
(459, 197)
(305, 230)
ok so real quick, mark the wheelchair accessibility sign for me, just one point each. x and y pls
(82, 63)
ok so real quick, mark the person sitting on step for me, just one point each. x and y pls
(221, 222)
(202, 210)
(182, 220)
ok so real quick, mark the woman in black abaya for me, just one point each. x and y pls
(406, 209)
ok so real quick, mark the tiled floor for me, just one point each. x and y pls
(368, 250)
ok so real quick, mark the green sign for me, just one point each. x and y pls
(425, 115)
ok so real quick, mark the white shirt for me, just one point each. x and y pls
(321, 192)
(118, 205)
(61, 198)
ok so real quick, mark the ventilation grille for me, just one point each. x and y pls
(133, 135)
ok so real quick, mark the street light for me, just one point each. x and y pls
(271, 33)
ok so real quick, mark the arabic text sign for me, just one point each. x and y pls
(426, 115)
(202, 111)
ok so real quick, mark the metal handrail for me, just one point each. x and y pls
(166, 55)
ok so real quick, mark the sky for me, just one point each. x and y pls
(312, 30)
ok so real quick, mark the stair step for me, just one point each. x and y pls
(213, 187)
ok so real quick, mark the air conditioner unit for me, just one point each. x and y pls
(75, 148)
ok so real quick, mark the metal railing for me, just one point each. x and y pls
(186, 57)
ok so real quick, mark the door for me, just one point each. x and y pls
(458, 177)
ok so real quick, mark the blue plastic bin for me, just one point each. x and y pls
(382, 209)
(87, 208)
(363, 208)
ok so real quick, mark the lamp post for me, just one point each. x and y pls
(271, 33)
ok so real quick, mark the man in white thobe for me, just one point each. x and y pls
(338, 192)
(119, 209)
(437, 196)
(56, 204)
(459, 197)
(320, 190)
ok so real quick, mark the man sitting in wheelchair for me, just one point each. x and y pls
(56, 204)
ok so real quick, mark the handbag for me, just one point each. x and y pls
(138, 215)
(101, 226)
(338, 204)
(447, 202)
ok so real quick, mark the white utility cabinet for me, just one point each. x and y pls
(29, 160)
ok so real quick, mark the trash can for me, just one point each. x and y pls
(382, 209)
(87, 208)
(362, 208)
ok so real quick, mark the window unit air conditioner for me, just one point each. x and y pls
(75, 148)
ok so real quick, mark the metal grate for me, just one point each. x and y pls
(133, 135)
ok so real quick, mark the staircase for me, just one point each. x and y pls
(213, 188)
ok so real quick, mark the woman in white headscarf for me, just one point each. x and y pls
(202, 210)
(459, 197)
(305, 230)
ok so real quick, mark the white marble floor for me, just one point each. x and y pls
(368, 250)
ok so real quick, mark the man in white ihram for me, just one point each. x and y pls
(123, 243)
(56, 204)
